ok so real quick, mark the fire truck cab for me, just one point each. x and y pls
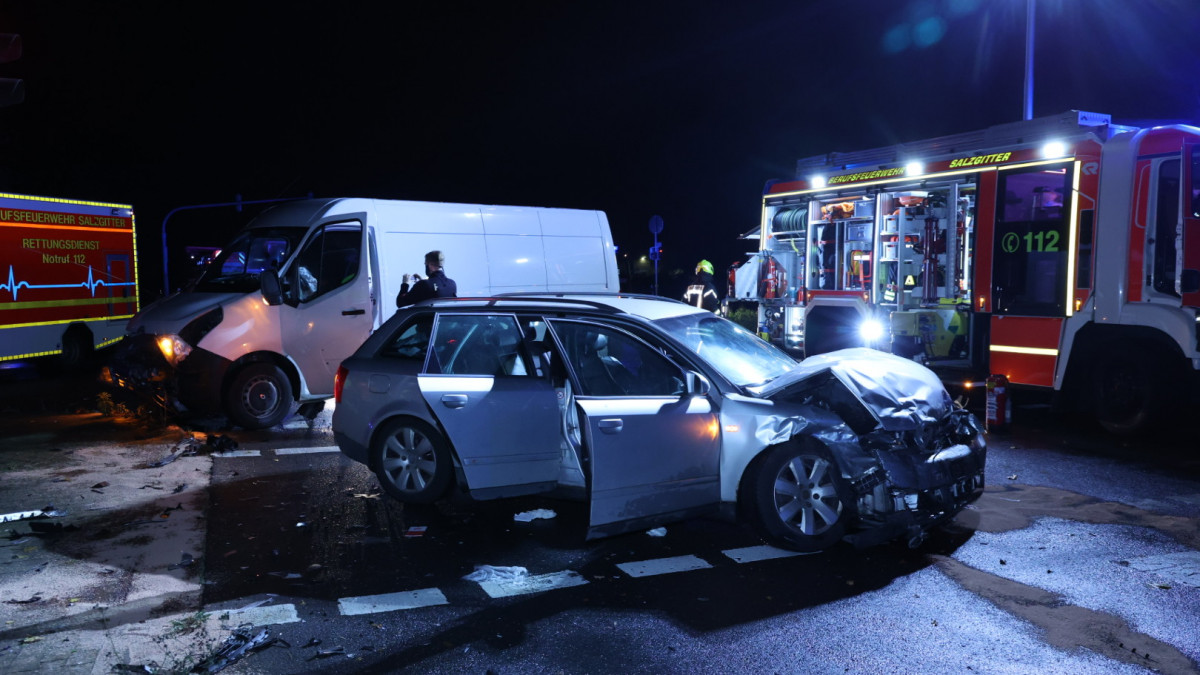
(1061, 252)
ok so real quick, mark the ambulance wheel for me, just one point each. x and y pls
(795, 497)
(77, 347)
(1133, 391)
(259, 397)
(411, 461)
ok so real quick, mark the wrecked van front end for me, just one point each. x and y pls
(919, 458)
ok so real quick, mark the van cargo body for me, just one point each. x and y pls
(297, 291)
(69, 281)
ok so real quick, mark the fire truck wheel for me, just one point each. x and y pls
(1132, 392)
(259, 397)
(795, 497)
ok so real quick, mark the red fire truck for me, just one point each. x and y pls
(69, 281)
(1062, 253)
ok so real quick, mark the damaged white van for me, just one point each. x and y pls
(266, 325)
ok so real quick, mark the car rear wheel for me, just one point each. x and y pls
(259, 397)
(795, 497)
(411, 461)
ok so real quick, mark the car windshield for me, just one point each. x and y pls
(741, 356)
(237, 268)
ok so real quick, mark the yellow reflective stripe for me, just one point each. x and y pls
(1040, 351)
(73, 302)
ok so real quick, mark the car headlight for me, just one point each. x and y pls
(174, 349)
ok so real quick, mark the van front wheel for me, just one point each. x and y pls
(259, 397)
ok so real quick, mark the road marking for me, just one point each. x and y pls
(389, 602)
(303, 451)
(259, 616)
(535, 584)
(238, 453)
(756, 553)
(1182, 567)
(647, 568)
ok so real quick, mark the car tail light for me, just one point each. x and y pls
(339, 381)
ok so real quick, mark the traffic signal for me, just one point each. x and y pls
(12, 91)
(656, 252)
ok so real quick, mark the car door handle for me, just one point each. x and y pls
(353, 312)
(611, 426)
(454, 400)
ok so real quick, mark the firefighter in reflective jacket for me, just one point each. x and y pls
(702, 292)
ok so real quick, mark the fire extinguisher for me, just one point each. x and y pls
(770, 294)
(999, 410)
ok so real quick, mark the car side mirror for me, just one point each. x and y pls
(272, 290)
(697, 384)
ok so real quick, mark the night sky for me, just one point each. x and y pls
(678, 109)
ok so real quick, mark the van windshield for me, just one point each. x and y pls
(236, 268)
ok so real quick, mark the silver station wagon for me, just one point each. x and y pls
(652, 411)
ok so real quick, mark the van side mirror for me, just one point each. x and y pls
(697, 384)
(271, 289)
(1189, 281)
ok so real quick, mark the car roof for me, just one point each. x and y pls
(649, 307)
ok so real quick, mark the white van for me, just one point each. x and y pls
(271, 318)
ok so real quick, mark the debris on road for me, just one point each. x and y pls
(492, 573)
(235, 647)
(415, 531)
(657, 532)
(185, 561)
(529, 516)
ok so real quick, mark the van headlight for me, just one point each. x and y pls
(173, 348)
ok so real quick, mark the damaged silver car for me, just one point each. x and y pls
(652, 411)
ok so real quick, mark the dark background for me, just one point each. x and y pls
(678, 109)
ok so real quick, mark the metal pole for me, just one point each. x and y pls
(1029, 12)
(239, 203)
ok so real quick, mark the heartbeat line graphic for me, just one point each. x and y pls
(91, 283)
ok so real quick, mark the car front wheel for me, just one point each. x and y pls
(795, 497)
(412, 461)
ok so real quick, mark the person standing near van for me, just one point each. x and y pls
(702, 292)
(435, 285)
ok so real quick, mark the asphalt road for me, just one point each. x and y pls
(1083, 556)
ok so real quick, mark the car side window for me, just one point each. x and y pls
(610, 362)
(329, 260)
(479, 344)
(412, 342)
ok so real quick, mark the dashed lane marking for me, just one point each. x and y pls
(304, 451)
(389, 602)
(238, 453)
(756, 553)
(648, 568)
(259, 616)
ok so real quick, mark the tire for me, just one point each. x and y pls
(259, 397)
(77, 347)
(411, 461)
(795, 497)
(1133, 391)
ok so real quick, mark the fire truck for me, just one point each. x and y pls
(69, 283)
(1062, 253)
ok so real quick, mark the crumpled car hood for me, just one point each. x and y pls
(899, 394)
(170, 314)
